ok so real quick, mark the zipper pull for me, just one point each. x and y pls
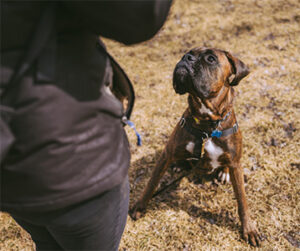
(131, 125)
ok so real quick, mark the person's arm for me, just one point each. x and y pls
(125, 21)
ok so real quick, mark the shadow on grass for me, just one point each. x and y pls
(140, 173)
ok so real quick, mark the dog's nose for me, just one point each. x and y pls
(189, 57)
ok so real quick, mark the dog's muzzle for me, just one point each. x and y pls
(181, 78)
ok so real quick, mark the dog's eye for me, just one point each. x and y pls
(210, 59)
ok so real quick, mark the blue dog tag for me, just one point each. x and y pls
(216, 133)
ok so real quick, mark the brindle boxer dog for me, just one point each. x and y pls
(207, 134)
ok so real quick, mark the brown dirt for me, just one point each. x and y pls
(266, 36)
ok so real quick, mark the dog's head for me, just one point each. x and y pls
(204, 71)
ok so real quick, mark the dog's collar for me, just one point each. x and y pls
(201, 136)
(226, 132)
(186, 123)
(214, 123)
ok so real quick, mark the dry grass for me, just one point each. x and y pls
(266, 36)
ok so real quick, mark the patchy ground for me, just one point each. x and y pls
(266, 36)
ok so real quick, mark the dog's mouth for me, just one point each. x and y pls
(181, 78)
(184, 81)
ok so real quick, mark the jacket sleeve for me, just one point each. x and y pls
(128, 22)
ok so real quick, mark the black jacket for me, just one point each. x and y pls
(70, 143)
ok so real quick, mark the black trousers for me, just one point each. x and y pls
(96, 224)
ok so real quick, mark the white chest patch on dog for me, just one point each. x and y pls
(214, 152)
(204, 110)
(190, 147)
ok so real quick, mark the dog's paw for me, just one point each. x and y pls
(251, 235)
(223, 176)
(176, 169)
(180, 166)
(137, 211)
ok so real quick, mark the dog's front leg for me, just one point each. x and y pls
(140, 206)
(249, 232)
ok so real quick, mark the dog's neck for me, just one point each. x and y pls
(214, 108)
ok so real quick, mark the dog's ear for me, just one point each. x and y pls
(238, 67)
